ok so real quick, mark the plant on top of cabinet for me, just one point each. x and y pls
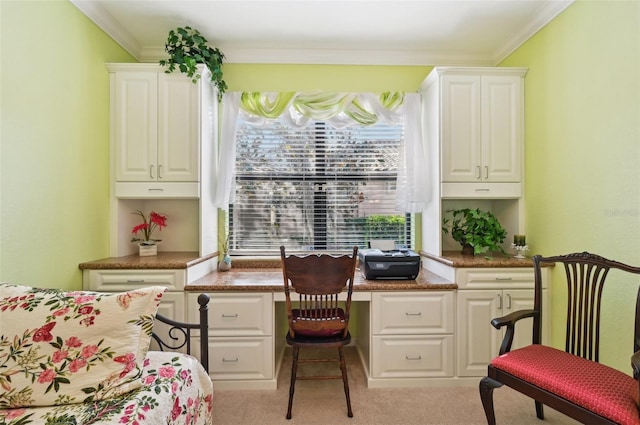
(477, 231)
(187, 48)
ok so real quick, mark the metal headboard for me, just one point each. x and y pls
(179, 334)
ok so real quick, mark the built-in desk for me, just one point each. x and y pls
(403, 329)
(430, 331)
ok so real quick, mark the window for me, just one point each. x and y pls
(315, 187)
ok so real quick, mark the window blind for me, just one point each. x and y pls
(315, 188)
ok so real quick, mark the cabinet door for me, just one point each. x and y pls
(135, 125)
(178, 135)
(460, 128)
(501, 100)
(514, 300)
(478, 341)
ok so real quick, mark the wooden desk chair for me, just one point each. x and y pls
(318, 320)
(572, 381)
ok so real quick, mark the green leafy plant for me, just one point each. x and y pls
(187, 48)
(479, 229)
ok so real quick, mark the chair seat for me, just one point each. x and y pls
(315, 323)
(591, 385)
(319, 341)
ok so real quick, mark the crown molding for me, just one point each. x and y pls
(99, 16)
(550, 12)
(333, 57)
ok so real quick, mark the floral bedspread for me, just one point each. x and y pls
(176, 390)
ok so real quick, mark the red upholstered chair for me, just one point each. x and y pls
(316, 318)
(571, 381)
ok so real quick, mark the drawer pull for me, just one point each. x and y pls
(229, 315)
(504, 278)
(224, 360)
(413, 358)
(413, 314)
(135, 280)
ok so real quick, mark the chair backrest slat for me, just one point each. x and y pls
(318, 279)
(585, 276)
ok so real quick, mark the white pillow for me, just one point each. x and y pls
(60, 347)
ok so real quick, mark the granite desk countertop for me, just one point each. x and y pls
(164, 260)
(265, 274)
(270, 279)
(458, 260)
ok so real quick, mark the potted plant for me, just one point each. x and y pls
(147, 245)
(477, 231)
(187, 48)
(225, 263)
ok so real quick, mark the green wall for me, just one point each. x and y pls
(283, 77)
(54, 155)
(583, 150)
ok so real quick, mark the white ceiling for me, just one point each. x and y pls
(378, 32)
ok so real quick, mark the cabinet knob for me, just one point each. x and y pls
(408, 313)
(486, 172)
(478, 176)
(225, 360)
(151, 171)
(159, 171)
(413, 358)
(233, 316)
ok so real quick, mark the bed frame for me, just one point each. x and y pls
(179, 334)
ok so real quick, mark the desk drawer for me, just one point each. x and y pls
(413, 356)
(238, 314)
(411, 313)
(495, 278)
(240, 358)
(115, 280)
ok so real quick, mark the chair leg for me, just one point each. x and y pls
(487, 385)
(539, 410)
(294, 371)
(345, 380)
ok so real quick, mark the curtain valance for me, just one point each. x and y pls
(338, 109)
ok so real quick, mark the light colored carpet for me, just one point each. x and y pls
(323, 402)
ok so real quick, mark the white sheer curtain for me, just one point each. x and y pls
(225, 180)
(340, 110)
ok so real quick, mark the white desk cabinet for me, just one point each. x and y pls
(241, 346)
(155, 124)
(484, 294)
(411, 335)
(474, 124)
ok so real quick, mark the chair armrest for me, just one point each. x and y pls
(635, 364)
(510, 322)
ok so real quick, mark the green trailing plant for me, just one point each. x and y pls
(187, 48)
(479, 229)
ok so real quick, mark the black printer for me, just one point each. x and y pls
(390, 265)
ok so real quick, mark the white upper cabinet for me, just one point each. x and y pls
(474, 124)
(155, 132)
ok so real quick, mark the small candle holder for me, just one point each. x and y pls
(519, 250)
